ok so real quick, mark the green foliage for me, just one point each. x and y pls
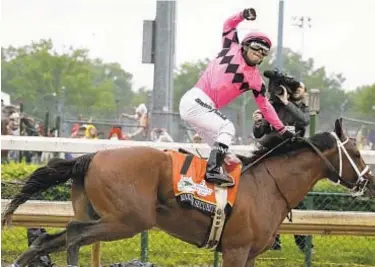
(142, 96)
(364, 99)
(327, 186)
(328, 196)
(13, 175)
(14, 171)
(37, 75)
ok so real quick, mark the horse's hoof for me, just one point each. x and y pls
(15, 265)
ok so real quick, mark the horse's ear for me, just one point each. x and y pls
(338, 128)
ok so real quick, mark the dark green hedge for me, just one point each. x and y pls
(13, 176)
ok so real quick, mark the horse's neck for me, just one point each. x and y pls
(273, 180)
(300, 174)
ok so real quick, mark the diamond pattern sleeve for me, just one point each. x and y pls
(229, 30)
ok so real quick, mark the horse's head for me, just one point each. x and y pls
(351, 170)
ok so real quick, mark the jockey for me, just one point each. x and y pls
(233, 72)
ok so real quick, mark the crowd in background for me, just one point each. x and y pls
(12, 119)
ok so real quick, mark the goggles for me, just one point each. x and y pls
(256, 46)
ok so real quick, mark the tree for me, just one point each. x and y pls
(111, 80)
(363, 100)
(34, 73)
(142, 96)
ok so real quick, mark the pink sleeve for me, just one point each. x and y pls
(268, 111)
(230, 31)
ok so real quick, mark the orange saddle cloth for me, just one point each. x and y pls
(190, 187)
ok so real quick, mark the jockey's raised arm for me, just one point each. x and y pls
(230, 30)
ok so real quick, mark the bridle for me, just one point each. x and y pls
(360, 186)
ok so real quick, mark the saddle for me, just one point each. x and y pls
(193, 192)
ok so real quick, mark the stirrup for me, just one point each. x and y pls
(221, 179)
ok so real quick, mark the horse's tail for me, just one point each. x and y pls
(57, 171)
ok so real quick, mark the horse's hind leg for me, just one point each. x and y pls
(43, 245)
(47, 243)
(81, 233)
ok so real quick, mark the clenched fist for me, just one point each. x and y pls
(249, 14)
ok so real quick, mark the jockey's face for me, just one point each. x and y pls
(254, 57)
(256, 52)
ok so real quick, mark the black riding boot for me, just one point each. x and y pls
(214, 171)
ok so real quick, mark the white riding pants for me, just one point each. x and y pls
(200, 112)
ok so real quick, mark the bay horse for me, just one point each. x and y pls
(119, 193)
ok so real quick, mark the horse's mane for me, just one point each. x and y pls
(322, 141)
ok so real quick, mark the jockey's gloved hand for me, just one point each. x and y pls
(286, 134)
(249, 14)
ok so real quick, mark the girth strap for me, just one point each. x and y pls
(185, 167)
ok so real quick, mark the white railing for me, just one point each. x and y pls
(48, 144)
(35, 213)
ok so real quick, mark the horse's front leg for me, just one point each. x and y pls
(235, 257)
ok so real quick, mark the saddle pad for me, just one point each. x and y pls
(191, 188)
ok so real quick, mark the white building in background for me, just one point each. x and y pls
(5, 98)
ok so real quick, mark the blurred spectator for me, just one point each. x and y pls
(116, 134)
(81, 131)
(74, 131)
(90, 132)
(13, 129)
(5, 130)
(47, 156)
(160, 135)
(141, 115)
(364, 138)
(371, 138)
(14, 123)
